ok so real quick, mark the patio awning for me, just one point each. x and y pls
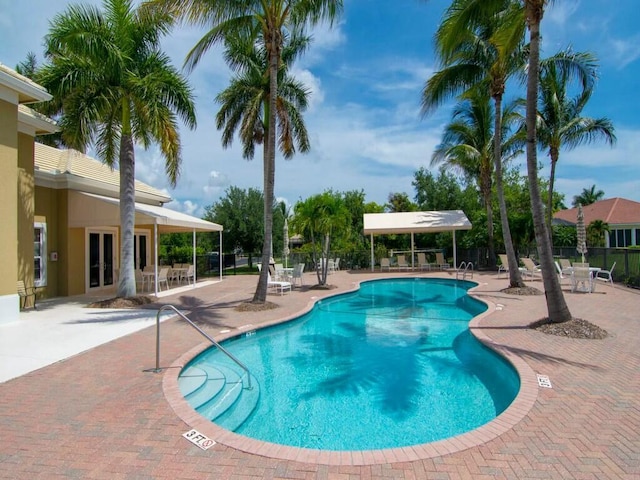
(88, 209)
(415, 222)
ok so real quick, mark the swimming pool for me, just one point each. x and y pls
(391, 364)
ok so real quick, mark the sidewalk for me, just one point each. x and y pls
(99, 415)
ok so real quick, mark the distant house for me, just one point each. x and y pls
(60, 228)
(622, 215)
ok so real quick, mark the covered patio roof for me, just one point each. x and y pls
(415, 222)
(91, 210)
(88, 209)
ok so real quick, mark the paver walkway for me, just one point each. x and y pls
(99, 415)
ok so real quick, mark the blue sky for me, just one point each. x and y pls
(366, 75)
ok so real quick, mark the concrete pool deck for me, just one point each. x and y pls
(97, 414)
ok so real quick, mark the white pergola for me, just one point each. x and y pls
(415, 222)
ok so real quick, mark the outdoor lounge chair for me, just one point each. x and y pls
(565, 265)
(401, 262)
(530, 267)
(385, 263)
(441, 262)
(504, 264)
(606, 275)
(422, 261)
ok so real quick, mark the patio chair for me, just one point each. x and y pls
(163, 277)
(582, 279)
(530, 268)
(174, 275)
(401, 262)
(139, 279)
(606, 275)
(297, 276)
(190, 275)
(385, 263)
(441, 262)
(278, 286)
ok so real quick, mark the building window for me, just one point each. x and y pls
(40, 254)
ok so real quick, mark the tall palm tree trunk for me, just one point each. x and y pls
(552, 177)
(557, 307)
(127, 282)
(491, 243)
(515, 277)
(273, 44)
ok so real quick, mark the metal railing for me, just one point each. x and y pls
(466, 268)
(203, 333)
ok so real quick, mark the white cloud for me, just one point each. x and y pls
(562, 12)
(624, 51)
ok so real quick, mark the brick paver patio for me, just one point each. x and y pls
(100, 415)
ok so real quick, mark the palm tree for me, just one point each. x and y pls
(467, 144)
(588, 196)
(116, 87)
(273, 20)
(480, 45)
(244, 103)
(557, 308)
(560, 123)
(595, 232)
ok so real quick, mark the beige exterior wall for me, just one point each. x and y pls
(26, 204)
(76, 268)
(8, 197)
(47, 211)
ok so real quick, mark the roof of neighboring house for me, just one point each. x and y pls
(28, 91)
(614, 211)
(77, 171)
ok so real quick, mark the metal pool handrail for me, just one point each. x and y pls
(203, 333)
(464, 267)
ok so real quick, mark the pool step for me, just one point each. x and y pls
(234, 416)
(219, 393)
(200, 384)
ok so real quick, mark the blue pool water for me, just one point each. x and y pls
(392, 364)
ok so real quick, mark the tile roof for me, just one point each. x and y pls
(614, 211)
(71, 162)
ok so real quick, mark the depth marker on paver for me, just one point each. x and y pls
(199, 439)
(543, 381)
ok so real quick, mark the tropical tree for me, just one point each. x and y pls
(560, 123)
(480, 45)
(244, 103)
(596, 231)
(467, 145)
(116, 88)
(318, 217)
(240, 212)
(271, 21)
(400, 202)
(588, 196)
(558, 310)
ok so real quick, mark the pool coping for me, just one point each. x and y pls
(518, 409)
